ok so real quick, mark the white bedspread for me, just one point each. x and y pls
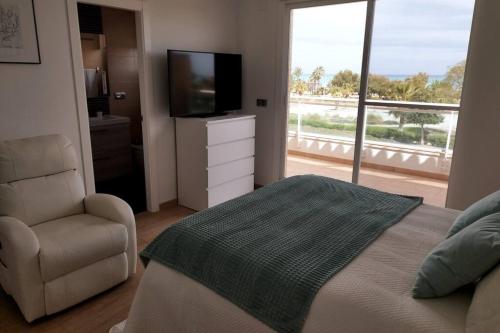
(372, 294)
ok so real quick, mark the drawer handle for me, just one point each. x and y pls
(104, 130)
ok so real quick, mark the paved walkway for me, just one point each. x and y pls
(434, 191)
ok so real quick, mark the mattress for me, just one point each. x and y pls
(371, 294)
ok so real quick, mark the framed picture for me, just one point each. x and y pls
(18, 33)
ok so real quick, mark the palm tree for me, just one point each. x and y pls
(295, 78)
(315, 78)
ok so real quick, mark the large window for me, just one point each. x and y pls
(375, 86)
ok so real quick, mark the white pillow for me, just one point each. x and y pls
(484, 312)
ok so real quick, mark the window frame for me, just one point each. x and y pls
(363, 101)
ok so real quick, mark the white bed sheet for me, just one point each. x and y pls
(372, 294)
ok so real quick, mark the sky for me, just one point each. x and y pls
(410, 36)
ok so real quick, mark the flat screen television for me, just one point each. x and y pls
(204, 84)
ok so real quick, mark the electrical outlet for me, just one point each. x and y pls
(120, 95)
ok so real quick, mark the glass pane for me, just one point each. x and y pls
(419, 50)
(326, 55)
(409, 152)
(418, 55)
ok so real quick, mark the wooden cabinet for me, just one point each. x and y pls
(215, 159)
(111, 147)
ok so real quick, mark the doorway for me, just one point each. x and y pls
(111, 74)
(375, 90)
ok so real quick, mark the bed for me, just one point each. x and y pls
(371, 294)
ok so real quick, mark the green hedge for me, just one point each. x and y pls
(409, 135)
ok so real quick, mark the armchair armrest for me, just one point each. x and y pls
(115, 209)
(19, 255)
(18, 242)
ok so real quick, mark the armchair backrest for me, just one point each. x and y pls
(39, 179)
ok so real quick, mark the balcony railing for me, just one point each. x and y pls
(414, 136)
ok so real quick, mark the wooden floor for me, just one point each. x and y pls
(100, 313)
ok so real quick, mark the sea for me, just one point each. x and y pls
(393, 77)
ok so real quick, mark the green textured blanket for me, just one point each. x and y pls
(270, 251)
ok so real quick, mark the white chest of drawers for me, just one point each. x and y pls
(215, 159)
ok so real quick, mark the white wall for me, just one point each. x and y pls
(258, 40)
(476, 165)
(198, 25)
(40, 99)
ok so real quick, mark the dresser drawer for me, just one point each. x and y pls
(230, 190)
(224, 173)
(112, 166)
(110, 138)
(222, 132)
(229, 152)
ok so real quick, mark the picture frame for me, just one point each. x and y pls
(18, 32)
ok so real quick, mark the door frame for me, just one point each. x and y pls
(143, 36)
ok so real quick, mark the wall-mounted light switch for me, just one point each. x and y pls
(262, 103)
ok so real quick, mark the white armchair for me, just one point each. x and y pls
(58, 247)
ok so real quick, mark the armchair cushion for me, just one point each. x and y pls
(37, 200)
(36, 157)
(73, 242)
(39, 179)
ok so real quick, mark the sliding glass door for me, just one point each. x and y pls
(417, 65)
(326, 59)
(387, 118)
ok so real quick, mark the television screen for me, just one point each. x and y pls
(204, 84)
